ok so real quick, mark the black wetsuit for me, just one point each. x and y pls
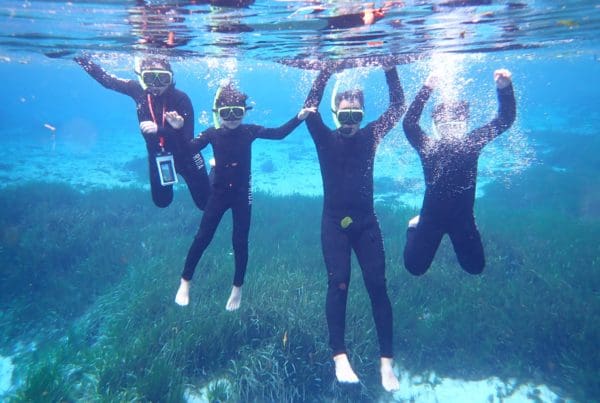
(230, 189)
(450, 170)
(189, 165)
(347, 173)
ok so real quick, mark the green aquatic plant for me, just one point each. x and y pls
(53, 260)
(48, 378)
(43, 384)
(105, 309)
(219, 391)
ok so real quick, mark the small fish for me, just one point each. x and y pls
(284, 340)
(49, 127)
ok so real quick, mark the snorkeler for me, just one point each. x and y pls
(450, 170)
(166, 119)
(231, 142)
(346, 157)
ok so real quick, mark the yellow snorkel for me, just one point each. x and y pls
(216, 121)
(137, 68)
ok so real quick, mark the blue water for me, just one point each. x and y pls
(59, 126)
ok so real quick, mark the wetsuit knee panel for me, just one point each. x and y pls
(338, 282)
(415, 266)
(474, 265)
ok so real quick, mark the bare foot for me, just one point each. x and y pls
(183, 293)
(389, 381)
(343, 371)
(235, 299)
(413, 222)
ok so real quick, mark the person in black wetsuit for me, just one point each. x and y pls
(166, 119)
(450, 170)
(231, 142)
(346, 157)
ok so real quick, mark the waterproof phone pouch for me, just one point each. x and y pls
(166, 169)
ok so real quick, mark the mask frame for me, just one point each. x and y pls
(150, 82)
(351, 118)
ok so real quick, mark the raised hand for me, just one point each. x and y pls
(175, 119)
(432, 81)
(148, 127)
(503, 78)
(304, 112)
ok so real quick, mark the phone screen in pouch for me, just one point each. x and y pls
(166, 169)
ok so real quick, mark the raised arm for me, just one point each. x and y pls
(507, 111)
(314, 121)
(198, 143)
(127, 87)
(278, 133)
(393, 113)
(415, 135)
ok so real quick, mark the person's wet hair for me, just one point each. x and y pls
(230, 96)
(350, 95)
(450, 112)
(154, 62)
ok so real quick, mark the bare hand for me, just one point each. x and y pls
(148, 127)
(174, 119)
(304, 112)
(432, 81)
(503, 78)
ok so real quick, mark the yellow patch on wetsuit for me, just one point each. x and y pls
(346, 221)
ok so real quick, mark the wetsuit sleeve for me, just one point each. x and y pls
(186, 110)
(314, 121)
(316, 126)
(507, 112)
(200, 142)
(276, 133)
(318, 88)
(127, 87)
(415, 135)
(393, 113)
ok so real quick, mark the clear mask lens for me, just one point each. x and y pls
(350, 116)
(157, 78)
(230, 113)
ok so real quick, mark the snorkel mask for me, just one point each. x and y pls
(347, 119)
(154, 75)
(229, 107)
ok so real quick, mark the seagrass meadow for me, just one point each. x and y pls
(89, 267)
(88, 281)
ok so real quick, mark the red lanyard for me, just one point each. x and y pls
(161, 140)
